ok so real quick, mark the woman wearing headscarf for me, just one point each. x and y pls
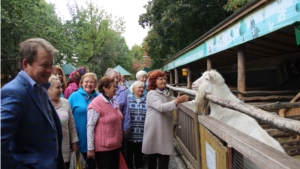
(73, 81)
(62, 106)
(79, 102)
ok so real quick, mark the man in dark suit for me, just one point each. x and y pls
(31, 133)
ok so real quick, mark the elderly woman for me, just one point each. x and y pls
(137, 109)
(158, 132)
(79, 102)
(122, 99)
(73, 81)
(57, 71)
(142, 77)
(123, 82)
(66, 118)
(104, 128)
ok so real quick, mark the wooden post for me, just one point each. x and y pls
(189, 79)
(176, 77)
(241, 81)
(208, 64)
(171, 77)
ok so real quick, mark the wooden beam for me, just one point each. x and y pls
(171, 77)
(283, 34)
(241, 81)
(278, 105)
(208, 64)
(283, 124)
(261, 154)
(176, 77)
(264, 49)
(264, 98)
(281, 44)
(222, 27)
(261, 93)
(189, 78)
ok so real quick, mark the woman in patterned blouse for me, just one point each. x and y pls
(137, 109)
(63, 110)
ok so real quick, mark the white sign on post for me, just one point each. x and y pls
(210, 157)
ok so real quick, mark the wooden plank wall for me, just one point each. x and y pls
(221, 151)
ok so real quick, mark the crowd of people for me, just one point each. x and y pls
(45, 117)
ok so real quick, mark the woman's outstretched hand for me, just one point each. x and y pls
(181, 99)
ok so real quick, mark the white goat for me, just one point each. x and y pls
(212, 82)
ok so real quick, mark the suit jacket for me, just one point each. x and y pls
(28, 140)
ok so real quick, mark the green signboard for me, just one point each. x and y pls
(267, 19)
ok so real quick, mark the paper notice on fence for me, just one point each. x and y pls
(210, 157)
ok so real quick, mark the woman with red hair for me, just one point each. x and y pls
(158, 129)
(57, 71)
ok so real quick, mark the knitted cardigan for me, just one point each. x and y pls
(108, 131)
(138, 114)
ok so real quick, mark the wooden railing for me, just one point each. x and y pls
(187, 135)
(188, 138)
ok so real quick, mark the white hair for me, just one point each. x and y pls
(140, 73)
(136, 84)
(53, 77)
(109, 71)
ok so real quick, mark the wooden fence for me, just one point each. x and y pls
(193, 134)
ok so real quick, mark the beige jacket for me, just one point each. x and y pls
(158, 132)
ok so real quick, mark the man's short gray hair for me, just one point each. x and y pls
(28, 49)
(109, 71)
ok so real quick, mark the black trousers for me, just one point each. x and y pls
(67, 165)
(163, 161)
(90, 163)
(134, 149)
(108, 159)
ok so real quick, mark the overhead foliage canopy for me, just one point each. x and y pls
(175, 24)
(234, 5)
(90, 38)
(25, 19)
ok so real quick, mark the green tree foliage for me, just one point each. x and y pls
(91, 38)
(175, 24)
(136, 55)
(97, 36)
(234, 5)
(25, 19)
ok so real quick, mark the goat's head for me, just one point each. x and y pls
(210, 76)
(204, 85)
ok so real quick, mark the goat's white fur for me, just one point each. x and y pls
(213, 83)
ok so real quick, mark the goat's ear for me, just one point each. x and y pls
(211, 77)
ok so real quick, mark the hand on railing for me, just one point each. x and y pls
(181, 99)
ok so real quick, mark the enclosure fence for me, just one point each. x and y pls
(208, 143)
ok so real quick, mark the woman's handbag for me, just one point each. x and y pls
(122, 162)
(77, 161)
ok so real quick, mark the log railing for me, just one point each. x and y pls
(189, 142)
(287, 125)
(187, 134)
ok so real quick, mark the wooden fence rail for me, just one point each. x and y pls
(188, 138)
(287, 125)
